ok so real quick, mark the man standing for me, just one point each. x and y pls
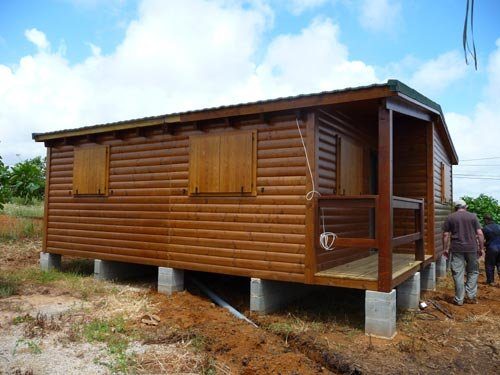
(492, 237)
(461, 232)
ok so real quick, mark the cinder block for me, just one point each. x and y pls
(50, 261)
(428, 277)
(170, 280)
(267, 296)
(110, 270)
(441, 267)
(380, 314)
(408, 293)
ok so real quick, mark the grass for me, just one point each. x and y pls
(25, 211)
(8, 287)
(112, 332)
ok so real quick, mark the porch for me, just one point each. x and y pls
(369, 267)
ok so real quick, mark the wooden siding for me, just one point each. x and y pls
(352, 222)
(442, 210)
(410, 172)
(150, 218)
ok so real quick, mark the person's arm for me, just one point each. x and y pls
(480, 238)
(446, 244)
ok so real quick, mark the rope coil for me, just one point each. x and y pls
(326, 239)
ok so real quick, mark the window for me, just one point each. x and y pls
(223, 164)
(350, 165)
(445, 174)
(90, 170)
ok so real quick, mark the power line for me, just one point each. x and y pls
(474, 175)
(490, 158)
(478, 165)
(477, 178)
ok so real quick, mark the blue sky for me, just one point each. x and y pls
(69, 63)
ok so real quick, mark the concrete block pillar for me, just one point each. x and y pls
(50, 261)
(170, 280)
(380, 314)
(441, 266)
(111, 270)
(428, 277)
(408, 293)
(267, 296)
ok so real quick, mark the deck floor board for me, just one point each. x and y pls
(367, 268)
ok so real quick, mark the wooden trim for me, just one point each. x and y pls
(407, 108)
(231, 111)
(385, 209)
(404, 275)
(356, 242)
(346, 282)
(401, 240)
(312, 134)
(430, 230)
(46, 199)
(406, 203)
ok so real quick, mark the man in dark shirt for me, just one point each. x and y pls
(491, 232)
(461, 232)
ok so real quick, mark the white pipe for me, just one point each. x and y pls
(219, 301)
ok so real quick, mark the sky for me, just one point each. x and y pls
(72, 63)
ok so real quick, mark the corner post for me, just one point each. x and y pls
(311, 205)
(430, 230)
(385, 211)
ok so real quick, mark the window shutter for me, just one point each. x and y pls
(236, 160)
(90, 170)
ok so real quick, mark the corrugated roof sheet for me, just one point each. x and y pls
(392, 84)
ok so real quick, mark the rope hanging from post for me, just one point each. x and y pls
(326, 239)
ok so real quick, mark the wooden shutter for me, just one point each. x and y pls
(204, 164)
(90, 170)
(236, 163)
(445, 183)
(350, 163)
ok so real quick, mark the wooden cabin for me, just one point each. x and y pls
(224, 189)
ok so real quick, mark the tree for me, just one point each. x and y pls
(4, 183)
(27, 179)
(482, 205)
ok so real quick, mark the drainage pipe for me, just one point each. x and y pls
(219, 301)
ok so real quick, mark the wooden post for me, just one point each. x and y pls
(430, 229)
(46, 199)
(385, 211)
(419, 226)
(312, 205)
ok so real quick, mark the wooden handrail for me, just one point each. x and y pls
(406, 203)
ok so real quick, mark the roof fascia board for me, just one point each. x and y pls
(406, 108)
(239, 110)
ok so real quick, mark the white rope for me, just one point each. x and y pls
(326, 239)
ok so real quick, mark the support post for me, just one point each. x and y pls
(380, 314)
(441, 266)
(385, 211)
(267, 296)
(428, 277)
(170, 280)
(50, 261)
(408, 293)
(419, 224)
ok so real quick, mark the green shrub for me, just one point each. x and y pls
(482, 205)
(26, 180)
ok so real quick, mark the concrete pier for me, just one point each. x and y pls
(408, 293)
(428, 277)
(380, 314)
(170, 280)
(111, 270)
(441, 266)
(50, 261)
(267, 296)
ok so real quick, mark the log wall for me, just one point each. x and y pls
(442, 209)
(148, 216)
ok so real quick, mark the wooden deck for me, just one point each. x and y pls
(362, 273)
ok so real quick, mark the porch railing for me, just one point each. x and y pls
(371, 202)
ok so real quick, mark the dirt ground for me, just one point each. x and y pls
(65, 322)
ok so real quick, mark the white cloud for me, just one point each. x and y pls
(436, 74)
(38, 38)
(477, 136)
(175, 56)
(299, 6)
(379, 15)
